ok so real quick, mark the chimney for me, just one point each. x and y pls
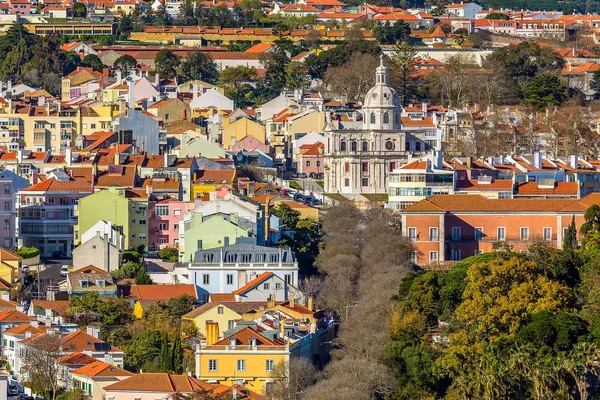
(270, 301)
(574, 161)
(68, 156)
(292, 301)
(34, 177)
(195, 91)
(439, 159)
(118, 76)
(117, 156)
(281, 327)
(468, 161)
(424, 108)
(166, 159)
(105, 72)
(149, 189)
(212, 333)
(157, 80)
(310, 304)
(19, 156)
(6, 296)
(537, 159)
(130, 95)
(27, 334)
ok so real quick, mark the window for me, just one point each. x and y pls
(270, 364)
(433, 256)
(455, 254)
(205, 279)
(365, 167)
(478, 233)
(456, 232)
(524, 233)
(433, 234)
(347, 167)
(547, 233)
(418, 146)
(230, 324)
(386, 118)
(278, 286)
(342, 146)
(266, 286)
(372, 118)
(6, 188)
(162, 210)
(176, 213)
(407, 146)
(365, 146)
(167, 116)
(308, 164)
(241, 365)
(365, 181)
(220, 310)
(162, 226)
(230, 279)
(353, 146)
(142, 236)
(501, 233)
(6, 206)
(318, 164)
(412, 233)
(392, 166)
(288, 279)
(212, 365)
(142, 222)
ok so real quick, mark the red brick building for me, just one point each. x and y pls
(453, 227)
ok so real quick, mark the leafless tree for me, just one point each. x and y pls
(293, 378)
(42, 365)
(352, 80)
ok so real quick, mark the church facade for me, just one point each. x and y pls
(357, 161)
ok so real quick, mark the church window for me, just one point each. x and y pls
(407, 146)
(347, 167)
(365, 167)
(392, 166)
(365, 182)
(396, 118)
(342, 146)
(353, 146)
(347, 182)
(386, 118)
(372, 118)
(365, 146)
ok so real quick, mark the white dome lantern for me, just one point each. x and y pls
(382, 104)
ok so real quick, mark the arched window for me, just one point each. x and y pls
(342, 146)
(372, 118)
(365, 146)
(386, 118)
(353, 146)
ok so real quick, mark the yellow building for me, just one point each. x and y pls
(209, 180)
(10, 267)
(241, 128)
(52, 127)
(214, 312)
(304, 210)
(245, 355)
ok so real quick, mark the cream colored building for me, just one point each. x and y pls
(239, 129)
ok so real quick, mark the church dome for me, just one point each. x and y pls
(382, 104)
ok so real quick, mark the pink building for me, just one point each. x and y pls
(310, 158)
(250, 143)
(164, 217)
(19, 6)
(7, 215)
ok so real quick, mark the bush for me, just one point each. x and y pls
(28, 252)
(169, 254)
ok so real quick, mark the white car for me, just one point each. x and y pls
(64, 270)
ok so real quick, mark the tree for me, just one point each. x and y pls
(27, 252)
(402, 60)
(544, 90)
(353, 79)
(93, 61)
(167, 63)
(177, 356)
(142, 277)
(181, 305)
(292, 378)
(570, 239)
(170, 254)
(144, 351)
(276, 63)
(125, 26)
(497, 15)
(125, 63)
(397, 33)
(79, 10)
(596, 81)
(128, 270)
(296, 76)
(185, 16)
(166, 364)
(199, 66)
(42, 366)
(288, 216)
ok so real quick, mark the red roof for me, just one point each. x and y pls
(253, 282)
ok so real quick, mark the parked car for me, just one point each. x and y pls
(13, 390)
(320, 175)
(25, 268)
(59, 255)
(302, 175)
(312, 175)
(64, 270)
(24, 396)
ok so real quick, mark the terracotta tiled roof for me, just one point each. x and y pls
(253, 283)
(243, 337)
(559, 189)
(13, 316)
(495, 185)
(259, 48)
(58, 306)
(216, 297)
(157, 292)
(238, 307)
(9, 255)
(100, 368)
(476, 203)
(75, 184)
(160, 382)
(415, 165)
(77, 358)
(22, 329)
(77, 341)
(425, 122)
(217, 176)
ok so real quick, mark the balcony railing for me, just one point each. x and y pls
(530, 238)
(244, 348)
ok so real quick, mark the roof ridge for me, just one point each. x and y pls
(170, 380)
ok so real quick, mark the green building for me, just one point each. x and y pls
(210, 232)
(120, 206)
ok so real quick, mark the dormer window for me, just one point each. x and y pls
(232, 341)
(252, 342)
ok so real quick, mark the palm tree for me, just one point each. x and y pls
(583, 364)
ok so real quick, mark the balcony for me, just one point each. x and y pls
(494, 239)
